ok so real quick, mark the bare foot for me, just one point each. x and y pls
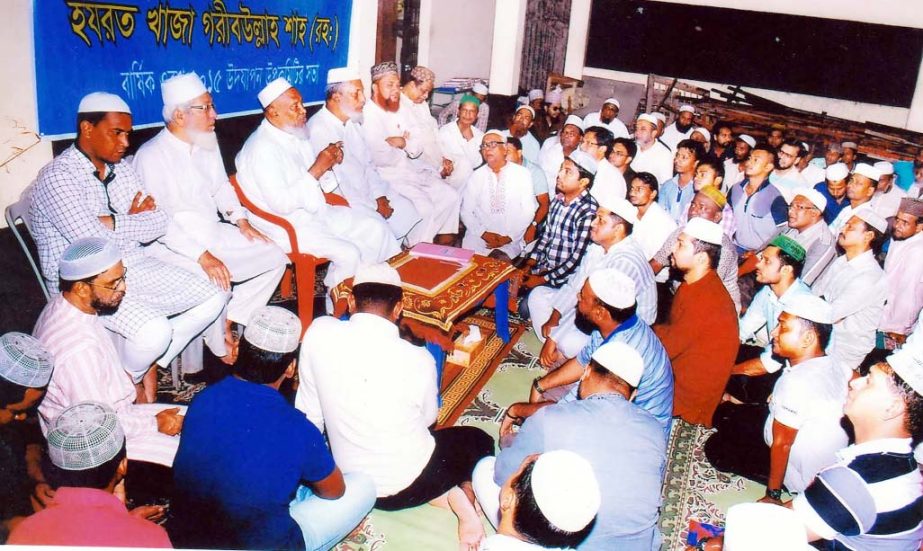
(470, 529)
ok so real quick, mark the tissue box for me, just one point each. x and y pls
(464, 352)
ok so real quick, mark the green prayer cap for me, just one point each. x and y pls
(468, 98)
(790, 246)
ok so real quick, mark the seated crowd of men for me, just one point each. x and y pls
(679, 272)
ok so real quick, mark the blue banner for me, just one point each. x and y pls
(129, 47)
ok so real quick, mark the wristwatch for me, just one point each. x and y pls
(774, 494)
(537, 386)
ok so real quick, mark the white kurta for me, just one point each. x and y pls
(503, 204)
(652, 231)
(658, 160)
(732, 175)
(434, 199)
(550, 158)
(424, 132)
(190, 184)
(672, 136)
(617, 127)
(887, 204)
(358, 179)
(609, 182)
(373, 393)
(272, 169)
(856, 289)
(789, 180)
(464, 154)
(87, 367)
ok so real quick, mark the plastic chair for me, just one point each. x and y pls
(19, 211)
(305, 265)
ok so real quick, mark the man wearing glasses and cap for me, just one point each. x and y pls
(208, 231)
(806, 225)
(498, 204)
(87, 367)
(88, 191)
(653, 156)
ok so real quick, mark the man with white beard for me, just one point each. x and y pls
(339, 120)
(389, 141)
(182, 167)
(279, 171)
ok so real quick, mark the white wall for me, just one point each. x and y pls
(18, 113)
(456, 38)
(906, 13)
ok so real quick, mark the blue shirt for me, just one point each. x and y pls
(626, 448)
(675, 200)
(655, 389)
(758, 215)
(243, 453)
(833, 207)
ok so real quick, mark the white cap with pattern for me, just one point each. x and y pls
(836, 172)
(809, 307)
(274, 329)
(87, 257)
(622, 360)
(868, 215)
(24, 360)
(271, 91)
(909, 367)
(613, 287)
(342, 74)
(704, 230)
(584, 160)
(815, 197)
(536, 94)
(382, 273)
(181, 88)
(85, 436)
(565, 489)
(868, 171)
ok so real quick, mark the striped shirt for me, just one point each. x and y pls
(892, 477)
(565, 237)
(87, 367)
(625, 256)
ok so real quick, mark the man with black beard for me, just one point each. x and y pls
(722, 139)
(519, 128)
(680, 129)
(734, 165)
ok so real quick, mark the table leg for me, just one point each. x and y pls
(502, 310)
(439, 355)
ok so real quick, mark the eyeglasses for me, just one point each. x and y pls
(204, 108)
(801, 207)
(491, 145)
(114, 286)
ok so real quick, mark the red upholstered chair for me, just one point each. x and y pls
(305, 265)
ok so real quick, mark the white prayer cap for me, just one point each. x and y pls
(341, 74)
(868, 215)
(884, 167)
(85, 436)
(479, 88)
(273, 329)
(565, 489)
(613, 101)
(809, 307)
(868, 171)
(620, 206)
(574, 120)
(649, 118)
(704, 230)
(498, 133)
(536, 94)
(704, 132)
(764, 527)
(526, 107)
(522, 100)
(815, 197)
(377, 273)
(181, 88)
(613, 287)
(24, 361)
(909, 367)
(747, 139)
(103, 102)
(554, 96)
(836, 172)
(88, 257)
(622, 360)
(273, 90)
(849, 145)
(584, 161)
(686, 109)
(661, 118)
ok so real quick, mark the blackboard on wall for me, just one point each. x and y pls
(809, 55)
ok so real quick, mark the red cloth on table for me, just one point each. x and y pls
(701, 338)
